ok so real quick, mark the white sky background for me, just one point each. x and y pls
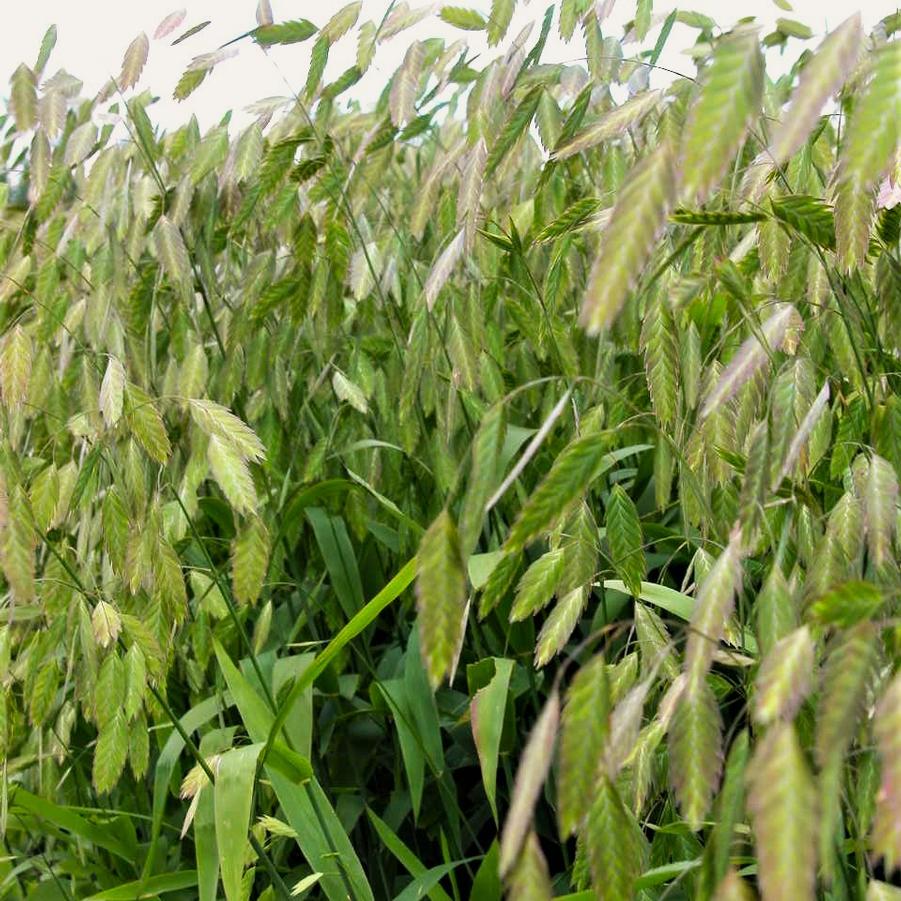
(93, 34)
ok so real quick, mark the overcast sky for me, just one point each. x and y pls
(93, 34)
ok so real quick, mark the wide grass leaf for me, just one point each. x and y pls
(486, 713)
(321, 837)
(233, 797)
(179, 881)
(103, 833)
(404, 854)
(340, 560)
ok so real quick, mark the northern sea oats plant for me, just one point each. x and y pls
(493, 491)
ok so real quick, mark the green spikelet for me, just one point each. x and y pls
(773, 246)
(886, 837)
(583, 732)
(135, 681)
(559, 626)
(169, 583)
(139, 747)
(512, 130)
(529, 879)
(537, 586)
(640, 211)
(808, 534)
(713, 607)
(696, 753)
(499, 20)
(785, 677)
(440, 596)
(230, 470)
(846, 604)
(111, 753)
(173, 254)
(692, 361)
(615, 845)
(808, 216)
(728, 811)
(846, 525)
(855, 207)
(654, 643)
(782, 801)
(580, 550)
(827, 566)
(871, 139)
(23, 100)
(146, 424)
(661, 360)
(664, 466)
(609, 125)
(880, 500)
(483, 475)
(728, 102)
(792, 395)
(820, 79)
(18, 540)
(888, 435)
(216, 420)
(530, 775)
(754, 484)
(250, 558)
(417, 352)
(15, 367)
(642, 773)
(578, 465)
(848, 670)
(625, 539)
(499, 583)
(43, 693)
(780, 330)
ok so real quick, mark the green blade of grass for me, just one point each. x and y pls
(414, 866)
(155, 885)
(102, 836)
(357, 624)
(320, 835)
(232, 802)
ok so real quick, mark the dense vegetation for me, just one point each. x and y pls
(494, 490)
